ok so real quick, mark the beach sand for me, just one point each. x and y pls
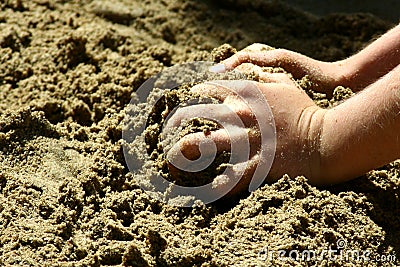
(68, 69)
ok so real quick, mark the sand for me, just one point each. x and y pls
(68, 69)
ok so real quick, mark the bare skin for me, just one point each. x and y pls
(356, 72)
(295, 141)
(326, 146)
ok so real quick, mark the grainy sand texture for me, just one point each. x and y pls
(68, 69)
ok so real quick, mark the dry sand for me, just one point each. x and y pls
(68, 70)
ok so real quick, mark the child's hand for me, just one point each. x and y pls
(324, 75)
(327, 146)
(298, 123)
(356, 72)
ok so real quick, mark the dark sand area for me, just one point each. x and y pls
(68, 69)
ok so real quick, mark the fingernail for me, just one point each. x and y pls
(219, 68)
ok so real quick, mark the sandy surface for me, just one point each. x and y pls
(68, 70)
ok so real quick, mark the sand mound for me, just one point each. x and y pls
(67, 71)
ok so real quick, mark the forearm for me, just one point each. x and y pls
(363, 132)
(373, 62)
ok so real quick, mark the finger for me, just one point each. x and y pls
(265, 76)
(222, 89)
(243, 172)
(231, 112)
(257, 47)
(292, 62)
(213, 90)
(234, 168)
(282, 78)
(235, 94)
(229, 65)
(254, 57)
(243, 110)
(195, 152)
(190, 145)
(273, 58)
(244, 97)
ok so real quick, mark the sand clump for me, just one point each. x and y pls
(68, 69)
(171, 100)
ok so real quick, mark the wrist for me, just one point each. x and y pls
(340, 140)
(317, 169)
(346, 73)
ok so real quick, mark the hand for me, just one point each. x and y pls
(325, 76)
(298, 123)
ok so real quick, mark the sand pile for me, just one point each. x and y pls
(67, 71)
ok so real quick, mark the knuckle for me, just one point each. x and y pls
(283, 77)
(282, 54)
(243, 56)
(189, 145)
(258, 47)
(247, 67)
(198, 88)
